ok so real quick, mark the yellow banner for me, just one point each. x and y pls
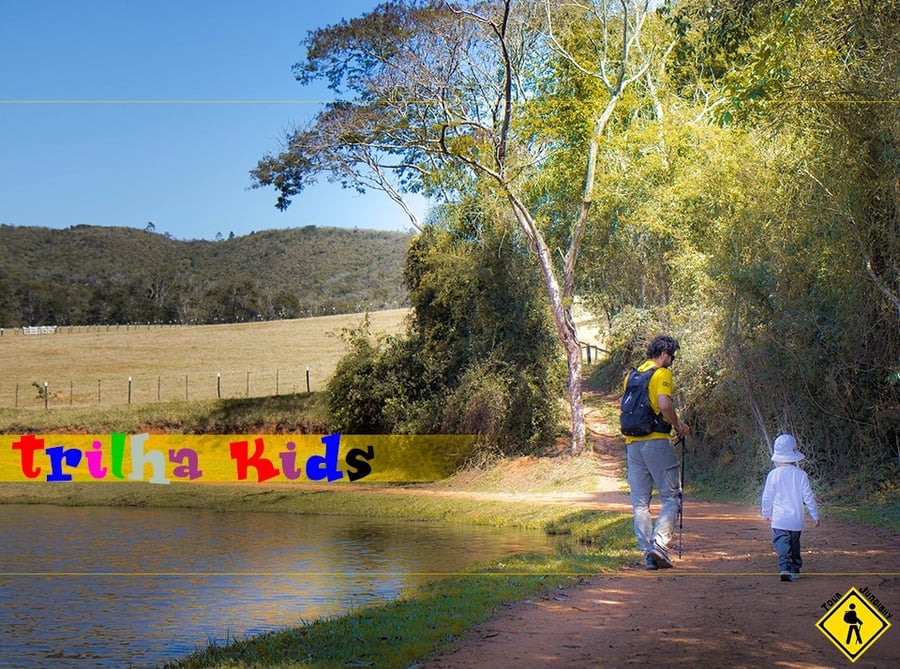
(167, 458)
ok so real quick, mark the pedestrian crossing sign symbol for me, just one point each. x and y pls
(853, 625)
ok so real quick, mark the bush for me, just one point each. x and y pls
(512, 412)
(355, 399)
(479, 355)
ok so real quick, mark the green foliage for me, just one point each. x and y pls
(811, 318)
(89, 275)
(362, 387)
(384, 68)
(767, 244)
(507, 405)
(479, 356)
(629, 333)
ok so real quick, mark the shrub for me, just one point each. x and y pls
(479, 355)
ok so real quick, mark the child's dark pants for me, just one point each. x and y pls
(787, 546)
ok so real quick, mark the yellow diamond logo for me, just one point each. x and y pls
(853, 625)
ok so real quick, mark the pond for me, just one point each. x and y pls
(113, 587)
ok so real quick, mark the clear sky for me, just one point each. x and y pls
(124, 112)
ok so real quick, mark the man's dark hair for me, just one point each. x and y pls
(662, 344)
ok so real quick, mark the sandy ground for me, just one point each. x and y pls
(722, 605)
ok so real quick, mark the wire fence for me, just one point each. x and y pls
(81, 329)
(146, 389)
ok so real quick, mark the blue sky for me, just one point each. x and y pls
(124, 112)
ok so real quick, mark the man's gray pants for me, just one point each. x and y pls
(652, 463)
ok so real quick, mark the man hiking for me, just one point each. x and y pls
(651, 459)
(853, 624)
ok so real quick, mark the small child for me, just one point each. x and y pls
(787, 489)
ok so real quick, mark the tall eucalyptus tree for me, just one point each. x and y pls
(435, 94)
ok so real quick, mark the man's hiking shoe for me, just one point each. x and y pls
(785, 576)
(659, 556)
(651, 563)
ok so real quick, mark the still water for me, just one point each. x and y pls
(113, 587)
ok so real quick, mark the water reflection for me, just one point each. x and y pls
(112, 587)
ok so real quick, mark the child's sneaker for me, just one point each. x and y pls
(794, 575)
(785, 576)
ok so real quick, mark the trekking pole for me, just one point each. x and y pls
(681, 441)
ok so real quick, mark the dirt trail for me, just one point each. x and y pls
(722, 605)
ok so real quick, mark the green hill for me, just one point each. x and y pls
(94, 275)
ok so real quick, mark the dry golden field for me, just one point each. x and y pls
(92, 365)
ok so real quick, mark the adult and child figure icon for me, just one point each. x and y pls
(652, 463)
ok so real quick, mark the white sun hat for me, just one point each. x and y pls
(785, 449)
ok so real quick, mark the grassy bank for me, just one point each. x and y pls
(303, 413)
(423, 503)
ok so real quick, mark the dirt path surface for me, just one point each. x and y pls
(721, 606)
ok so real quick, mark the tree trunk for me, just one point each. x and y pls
(565, 328)
(562, 319)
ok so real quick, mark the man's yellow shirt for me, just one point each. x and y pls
(660, 384)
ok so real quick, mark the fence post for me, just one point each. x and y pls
(307, 379)
(218, 385)
(46, 395)
(98, 391)
(129, 390)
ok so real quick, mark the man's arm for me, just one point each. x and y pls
(667, 409)
(768, 495)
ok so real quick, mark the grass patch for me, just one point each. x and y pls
(884, 514)
(303, 413)
(376, 501)
(92, 366)
(869, 496)
(382, 501)
(536, 475)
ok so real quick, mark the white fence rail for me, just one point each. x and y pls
(39, 329)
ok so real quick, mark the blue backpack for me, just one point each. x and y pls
(636, 416)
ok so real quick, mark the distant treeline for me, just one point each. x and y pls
(98, 275)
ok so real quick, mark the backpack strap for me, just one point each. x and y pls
(659, 423)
